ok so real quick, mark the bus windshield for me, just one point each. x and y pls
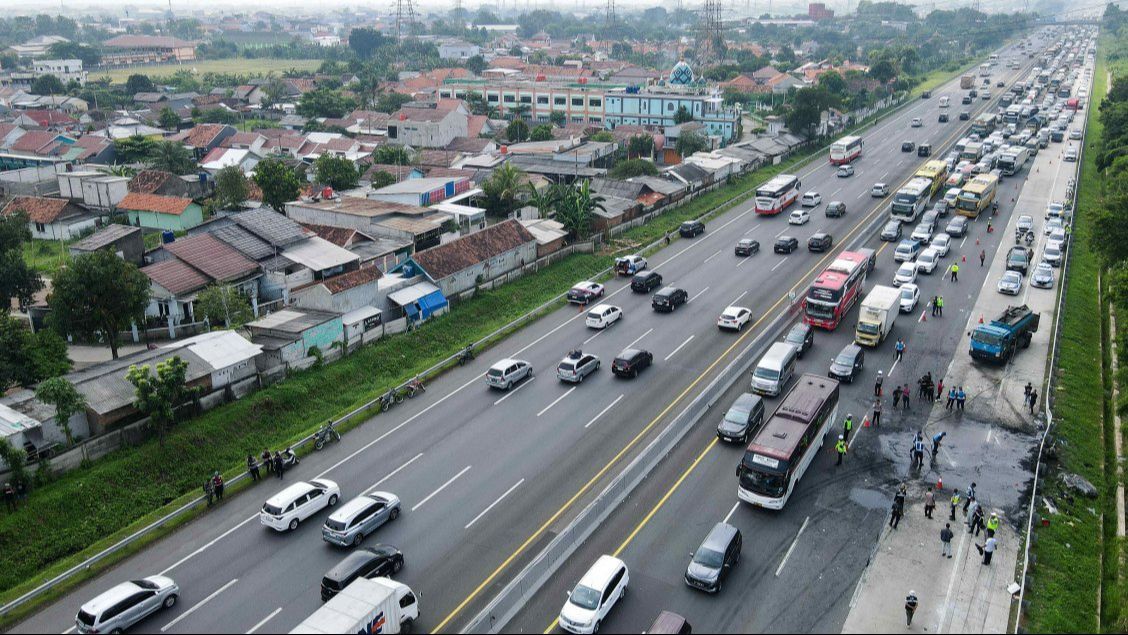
(762, 480)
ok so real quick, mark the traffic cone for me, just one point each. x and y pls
(939, 483)
(976, 242)
(981, 319)
(963, 258)
(865, 422)
(923, 317)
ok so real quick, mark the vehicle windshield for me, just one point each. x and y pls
(906, 270)
(736, 415)
(584, 597)
(272, 510)
(761, 481)
(709, 558)
(495, 372)
(765, 373)
(985, 338)
(336, 525)
(867, 328)
(146, 584)
(906, 294)
(844, 359)
(567, 366)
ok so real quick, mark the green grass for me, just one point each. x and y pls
(45, 256)
(1069, 555)
(237, 66)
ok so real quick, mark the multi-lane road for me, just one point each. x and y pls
(488, 478)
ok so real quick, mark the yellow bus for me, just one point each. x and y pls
(935, 171)
(977, 195)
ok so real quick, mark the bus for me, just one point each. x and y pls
(1012, 159)
(845, 150)
(785, 445)
(836, 290)
(984, 125)
(777, 194)
(985, 70)
(977, 195)
(910, 200)
(935, 171)
(1014, 115)
(972, 152)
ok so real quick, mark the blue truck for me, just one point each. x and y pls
(998, 340)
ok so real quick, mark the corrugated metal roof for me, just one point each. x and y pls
(12, 422)
(106, 388)
(412, 293)
(104, 237)
(219, 348)
(319, 254)
(293, 320)
(212, 256)
(271, 226)
(245, 242)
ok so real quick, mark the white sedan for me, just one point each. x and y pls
(916, 123)
(906, 274)
(603, 315)
(910, 295)
(799, 217)
(735, 318)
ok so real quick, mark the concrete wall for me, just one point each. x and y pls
(62, 230)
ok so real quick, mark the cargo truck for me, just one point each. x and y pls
(1000, 339)
(876, 317)
(379, 605)
(967, 81)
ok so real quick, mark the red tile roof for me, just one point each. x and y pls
(137, 201)
(200, 136)
(176, 276)
(213, 257)
(339, 236)
(36, 141)
(450, 258)
(352, 279)
(149, 181)
(39, 209)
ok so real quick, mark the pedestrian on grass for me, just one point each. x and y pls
(9, 497)
(253, 468)
(992, 525)
(209, 490)
(946, 536)
(877, 384)
(841, 449)
(929, 503)
(910, 607)
(897, 396)
(955, 503)
(847, 426)
(961, 397)
(217, 485)
(267, 461)
(899, 349)
(278, 467)
(877, 411)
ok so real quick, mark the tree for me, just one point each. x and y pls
(576, 208)
(171, 156)
(365, 41)
(158, 396)
(17, 279)
(682, 115)
(48, 85)
(517, 131)
(338, 173)
(168, 119)
(99, 294)
(632, 167)
(545, 199)
(391, 102)
(502, 190)
(279, 184)
(391, 155)
(834, 83)
(805, 110)
(222, 304)
(476, 64)
(75, 51)
(133, 149)
(558, 118)
(640, 145)
(381, 178)
(27, 358)
(883, 71)
(68, 402)
(273, 92)
(542, 132)
(323, 102)
(690, 142)
(230, 187)
(138, 83)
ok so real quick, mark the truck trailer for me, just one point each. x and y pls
(377, 605)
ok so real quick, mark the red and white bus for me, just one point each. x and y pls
(774, 196)
(845, 150)
(786, 444)
(836, 290)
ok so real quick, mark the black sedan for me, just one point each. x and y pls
(786, 244)
(747, 247)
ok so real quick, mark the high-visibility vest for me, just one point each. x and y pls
(993, 523)
(955, 499)
(841, 447)
(848, 424)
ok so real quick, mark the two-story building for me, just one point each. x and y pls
(432, 125)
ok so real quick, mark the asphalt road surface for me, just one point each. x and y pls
(487, 477)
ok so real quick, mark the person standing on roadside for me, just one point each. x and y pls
(877, 411)
(877, 384)
(847, 426)
(961, 397)
(899, 349)
(905, 397)
(840, 448)
(1026, 392)
(911, 603)
(982, 256)
(897, 396)
(940, 306)
(9, 497)
(278, 467)
(252, 468)
(217, 485)
(951, 398)
(946, 536)
(209, 490)
(1033, 400)
(955, 502)
(955, 272)
(939, 389)
(992, 525)
(929, 503)
(987, 549)
(267, 461)
(969, 498)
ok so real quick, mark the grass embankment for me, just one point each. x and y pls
(46, 256)
(1069, 555)
(234, 66)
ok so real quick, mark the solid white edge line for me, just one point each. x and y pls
(69, 630)
(631, 345)
(499, 499)
(603, 412)
(394, 472)
(556, 401)
(264, 620)
(198, 605)
(792, 547)
(441, 488)
(675, 352)
(513, 391)
(731, 512)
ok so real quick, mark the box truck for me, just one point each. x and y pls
(379, 605)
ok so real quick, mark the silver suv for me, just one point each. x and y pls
(360, 517)
(126, 604)
(508, 372)
(576, 366)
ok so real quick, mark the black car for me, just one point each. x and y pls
(786, 244)
(892, 231)
(715, 558)
(747, 247)
(742, 419)
(924, 150)
(820, 242)
(908, 146)
(943, 118)
(631, 361)
(957, 227)
(669, 299)
(835, 209)
(801, 336)
(973, 93)
(848, 363)
(1018, 259)
(646, 281)
(965, 115)
(691, 228)
(966, 100)
(926, 94)
(370, 562)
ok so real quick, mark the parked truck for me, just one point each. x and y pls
(998, 340)
(876, 317)
(377, 605)
(967, 81)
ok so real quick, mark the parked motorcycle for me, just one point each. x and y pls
(467, 355)
(389, 399)
(326, 434)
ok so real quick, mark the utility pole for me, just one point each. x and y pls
(710, 32)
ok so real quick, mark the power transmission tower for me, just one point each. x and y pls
(405, 18)
(458, 24)
(611, 17)
(710, 32)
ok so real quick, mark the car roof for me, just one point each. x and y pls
(667, 290)
(110, 597)
(355, 560)
(508, 361)
(290, 493)
(721, 533)
(602, 571)
(353, 507)
(628, 353)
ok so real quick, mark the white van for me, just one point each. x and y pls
(603, 316)
(298, 502)
(775, 369)
(944, 101)
(599, 590)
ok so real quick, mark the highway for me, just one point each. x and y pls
(487, 478)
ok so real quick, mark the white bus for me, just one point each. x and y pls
(777, 194)
(845, 150)
(786, 444)
(910, 201)
(985, 70)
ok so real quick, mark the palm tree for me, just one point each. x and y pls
(544, 200)
(503, 190)
(118, 169)
(576, 209)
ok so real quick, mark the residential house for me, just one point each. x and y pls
(44, 119)
(204, 137)
(52, 218)
(413, 225)
(455, 49)
(342, 293)
(432, 125)
(287, 336)
(125, 241)
(382, 252)
(460, 265)
(220, 158)
(551, 235)
(186, 266)
(153, 211)
(167, 184)
(66, 70)
(95, 190)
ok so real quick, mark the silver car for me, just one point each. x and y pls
(126, 604)
(508, 372)
(359, 517)
(576, 366)
(1043, 276)
(1010, 283)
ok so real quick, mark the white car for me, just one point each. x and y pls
(1071, 155)
(604, 584)
(1075, 135)
(585, 292)
(1057, 238)
(916, 123)
(879, 190)
(799, 217)
(1010, 283)
(1051, 254)
(922, 232)
(845, 170)
(927, 260)
(906, 274)
(734, 317)
(811, 199)
(126, 604)
(284, 510)
(507, 372)
(603, 315)
(1043, 276)
(942, 243)
(1051, 225)
(1055, 209)
(910, 295)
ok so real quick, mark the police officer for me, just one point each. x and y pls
(955, 272)
(955, 503)
(847, 426)
(841, 448)
(992, 525)
(940, 305)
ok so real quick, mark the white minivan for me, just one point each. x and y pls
(298, 502)
(604, 584)
(603, 316)
(775, 369)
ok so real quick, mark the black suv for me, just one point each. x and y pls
(747, 247)
(943, 118)
(835, 209)
(370, 562)
(691, 228)
(631, 361)
(786, 244)
(646, 281)
(669, 299)
(821, 241)
(713, 560)
(924, 150)
(908, 146)
(1018, 259)
(801, 336)
(966, 100)
(965, 115)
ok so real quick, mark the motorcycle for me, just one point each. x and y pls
(289, 460)
(325, 435)
(466, 355)
(414, 387)
(389, 399)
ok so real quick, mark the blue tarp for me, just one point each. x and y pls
(432, 303)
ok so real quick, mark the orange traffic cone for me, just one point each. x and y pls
(976, 242)
(939, 483)
(981, 319)
(963, 258)
(923, 317)
(865, 422)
